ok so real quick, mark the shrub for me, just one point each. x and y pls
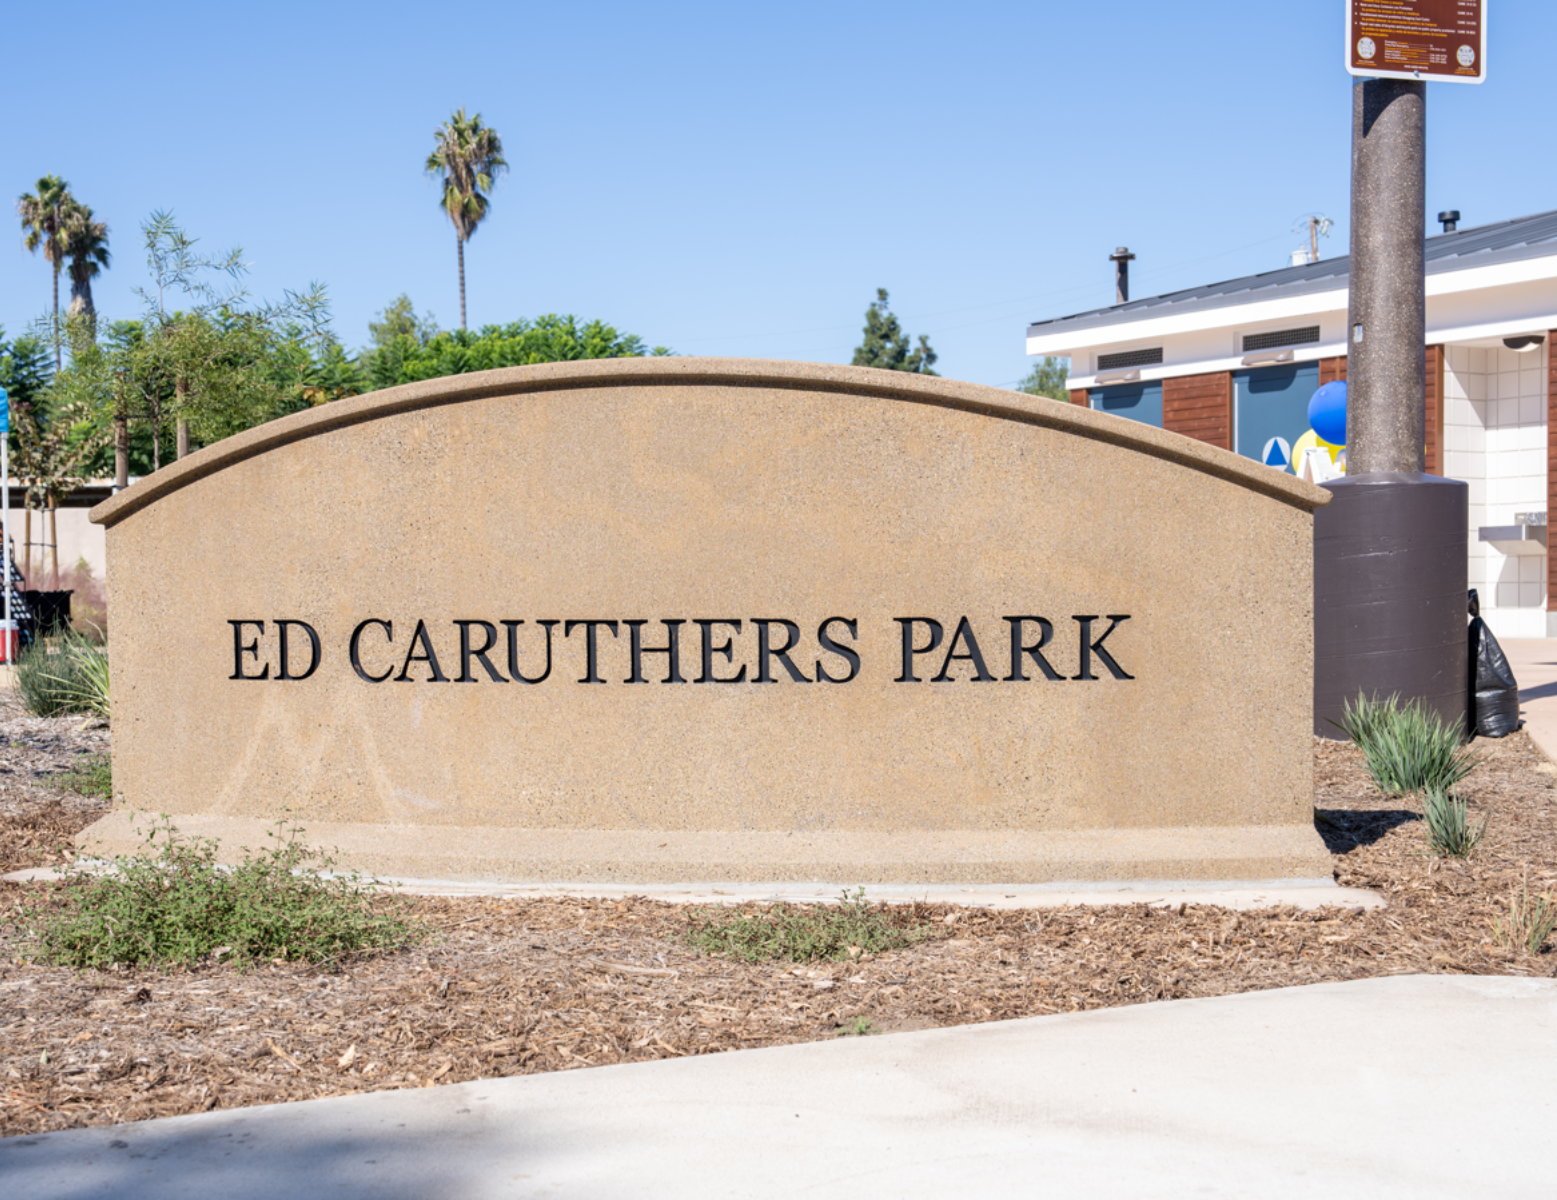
(1530, 921)
(1449, 831)
(806, 933)
(93, 777)
(171, 904)
(1407, 748)
(68, 674)
(88, 600)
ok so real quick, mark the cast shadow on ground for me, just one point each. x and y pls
(1344, 829)
(1539, 692)
(328, 1148)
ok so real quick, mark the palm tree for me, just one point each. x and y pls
(469, 156)
(43, 213)
(86, 245)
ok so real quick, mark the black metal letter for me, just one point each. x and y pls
(356, 660)
(1089, 647)
(513, 651)
(590, 656)
(420, 638)
(467, 652)
(239, 650)
(765, 653)
(728, 650)
(313, 647)
(671, 650)
(1018, 667)
(843, 652)
(909, 649)
(964, 635)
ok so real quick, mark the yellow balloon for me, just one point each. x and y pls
(1309, 441)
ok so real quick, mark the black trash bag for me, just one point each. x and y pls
(1493, 708)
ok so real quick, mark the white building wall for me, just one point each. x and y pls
(1495, 440)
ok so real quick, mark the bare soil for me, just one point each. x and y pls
(509, 987)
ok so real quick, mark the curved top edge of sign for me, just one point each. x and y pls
(996, 403)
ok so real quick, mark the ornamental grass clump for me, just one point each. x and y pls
(1530, 920)
(1406, 748)
(1450, 833)
(807, 932)
(68, 674)
(172, 904)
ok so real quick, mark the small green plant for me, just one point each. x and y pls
(806, 932)
(1530, 921)
(68, 674)
(171, 904)
(1450, 833)
(859, 1027)
(1406, 748)
(93, 777)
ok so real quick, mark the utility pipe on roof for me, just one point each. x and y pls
(1121, 258)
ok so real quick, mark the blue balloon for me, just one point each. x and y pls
(1327, 413)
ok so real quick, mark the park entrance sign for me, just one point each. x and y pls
(650, 620)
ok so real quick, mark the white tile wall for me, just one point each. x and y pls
(1495, 440)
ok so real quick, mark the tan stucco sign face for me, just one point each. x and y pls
(653, 620)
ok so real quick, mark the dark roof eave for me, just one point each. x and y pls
(1483, 246)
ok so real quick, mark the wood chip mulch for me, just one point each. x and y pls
(508, 987)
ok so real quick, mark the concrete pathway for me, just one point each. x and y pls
(1410, 1086)
(1535, 667)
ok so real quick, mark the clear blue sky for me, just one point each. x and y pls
(738, 179)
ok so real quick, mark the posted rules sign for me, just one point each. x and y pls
(1443, 40)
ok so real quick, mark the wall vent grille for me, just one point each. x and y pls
(1307, 336)
(1130, 358)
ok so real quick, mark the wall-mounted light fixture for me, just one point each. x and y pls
(1525, 343)
(1267, 358)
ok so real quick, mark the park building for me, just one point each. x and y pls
(1234, 364)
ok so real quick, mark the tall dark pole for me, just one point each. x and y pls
(1386, 369)
(1390, 548)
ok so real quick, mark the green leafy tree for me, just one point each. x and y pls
(886, 345)
(1047, 378)
(54, 458)
(25, 374)
(43, 214)
(467, 159)
(86, 245)
(211, 367)
(24, 369)
(399, 319)
(311, 369)
(550, 338)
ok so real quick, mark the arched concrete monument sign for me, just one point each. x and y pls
(702, 619)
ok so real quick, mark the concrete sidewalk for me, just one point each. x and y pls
(1535, 667)
(1408, 1086)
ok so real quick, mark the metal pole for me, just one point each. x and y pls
(1390, 547)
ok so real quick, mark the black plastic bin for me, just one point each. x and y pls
(50, 612)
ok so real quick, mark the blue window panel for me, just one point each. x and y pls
(1138, 401)
(1272, 402)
